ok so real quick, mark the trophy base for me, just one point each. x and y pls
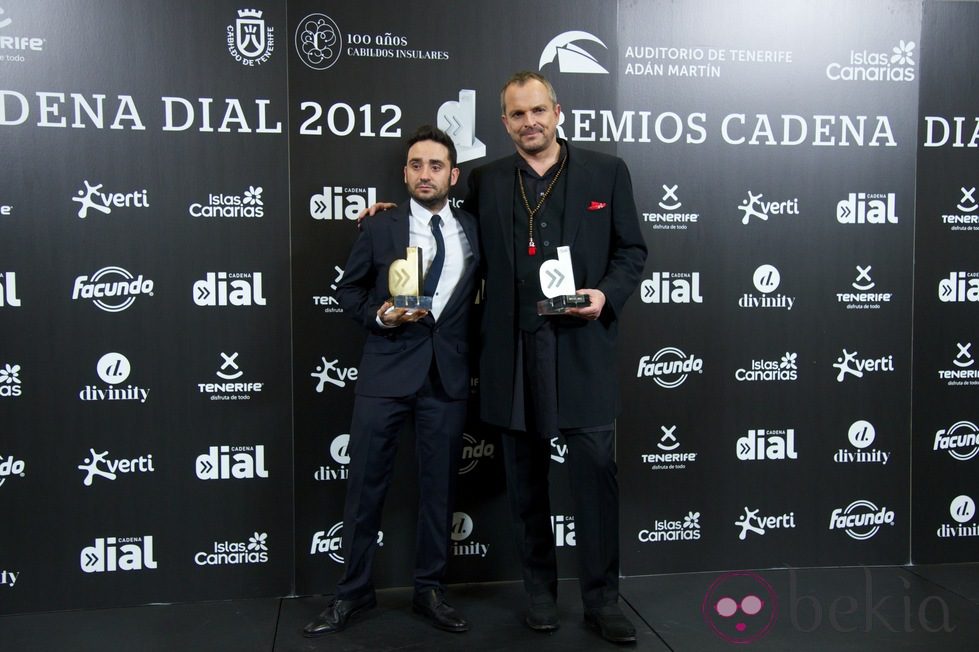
(560, 305)
(412, 303)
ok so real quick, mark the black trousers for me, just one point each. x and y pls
(439, 421)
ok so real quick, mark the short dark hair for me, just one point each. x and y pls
(521, 78)
(428, 132)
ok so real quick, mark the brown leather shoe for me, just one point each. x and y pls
(432, 605)
(337, 614)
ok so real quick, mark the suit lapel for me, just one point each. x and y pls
(574, 196)
(400, 226)
(502, 190)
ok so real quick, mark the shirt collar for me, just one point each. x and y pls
(424, 214)
(524, 166)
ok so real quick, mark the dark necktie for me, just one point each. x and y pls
(435, 271)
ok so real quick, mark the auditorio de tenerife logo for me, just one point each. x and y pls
(572, 57)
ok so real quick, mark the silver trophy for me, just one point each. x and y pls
(557, 284)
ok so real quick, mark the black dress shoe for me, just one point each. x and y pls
(337, 614)
(432, 605)
(542, 614)
(613, 625)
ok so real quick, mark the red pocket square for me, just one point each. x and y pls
(597, 205)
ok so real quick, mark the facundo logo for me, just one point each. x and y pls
(672, 287)
(458, 120)
(236, 553)
(861, 435)
(91, 197)
(462, 528)
(686, 530)
(961, 440)
(671, 220)
(339, 202)
(248, 204)
(10, 381)
(319, 41)
(111, 554)
(11, 466)
(965, 372)
(848, 364)
(959, 287)
(331, 542)
(669, 367)
(329, 303)
(762, 210)
(232, 463)
(863, 298)
(229, 289)
(863, 65)
(113, 368)
(329, 373)
(572, 58)
(229, 371)
(17, 43)
(962, 509)
(766, 279)
(250, 40)
(784, 369)
(562, 527)
(867, 208)
(8, 290)
(751, 522)
(670, 458)
(111, 468)
(861, 519)
(112, 289)
(966, 219)
(760, 444)
(473, 451)
(339, 452)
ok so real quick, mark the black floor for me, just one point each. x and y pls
(928, 608)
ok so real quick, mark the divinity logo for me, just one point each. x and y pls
(960, 440)
(861, 519)
(766, 279)
(751, 522)
(113, 368)
(849, 365)
(670, 458)
(91, 197)
(963, 373)
(687, 529)
(97, 464)
(462, 529)
(328, 372)
(571, 57)
(339, 448)
(861, 435)
(962, 509)
(753, 206)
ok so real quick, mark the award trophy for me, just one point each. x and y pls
(405, 281)
(557, 283)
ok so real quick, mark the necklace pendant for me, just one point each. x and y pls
(531, 248)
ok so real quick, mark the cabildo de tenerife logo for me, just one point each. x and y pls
(672, 217)
(114, 369)
(100, 465)
(750, 521)
(341, 202)
(669, 367)
(112, 288)
(250, 40)
(862, 435)
(254, 550)
(960, 440)
(848, 364)
(896, 65)
(462, 528)
(92, 197)
(861, 519)
(783, 369)
(111, 554)
(962, 509)
(572, 57)
(766, 279)
(246, 205)
(339, 448)
(229, 289)
(10, 386)
(669, 455)
(867, 208)
(964, 370)
(685, 529)
(230, 387)
(967, 219)
(761, 444)
(754, 207)
(8, 290)
(671, 287)
(14, 46)
(959, 287)
(864, 298)
(232, 463)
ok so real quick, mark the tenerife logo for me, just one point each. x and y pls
(10, 381)
(91, 197)
(232, 463)
(112, 289)
(236, 553)
(965, 371)
(570, 57)
(339, 202)
(762, 444)
(959, 287)
(111, 554)
(113, 368)
(17, 44)
(961, 440)
(562, 527)
(751, 522)
(329, 302)
(962, 509)
(687, 529)
(849, 365)
(669, 367)
(672, 219)
(229, 289)
(8, 290)
(672, 287)
(247, 204)
(863, 298)
(766, 279)
(473, 451)
(462, 529)
(230, 389)
(458, 120)
(864, 65)
(784, 369)
(861, 519)
(861, 435)
(967, 219)
(318, 41)
(339, 452)
(98, 464)
(867, 208)
(753, 206)
(668, 457)
(250, 40)
(11, 466)
(328, 372)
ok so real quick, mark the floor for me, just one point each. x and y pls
(933, 608)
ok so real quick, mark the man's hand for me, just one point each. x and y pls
(391, 316)
(594, 310)
(374, 209)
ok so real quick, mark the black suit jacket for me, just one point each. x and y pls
(601, 225)
(396, 361)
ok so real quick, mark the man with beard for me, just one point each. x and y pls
(415, 363)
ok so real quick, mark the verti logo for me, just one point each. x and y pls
(91, 197)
